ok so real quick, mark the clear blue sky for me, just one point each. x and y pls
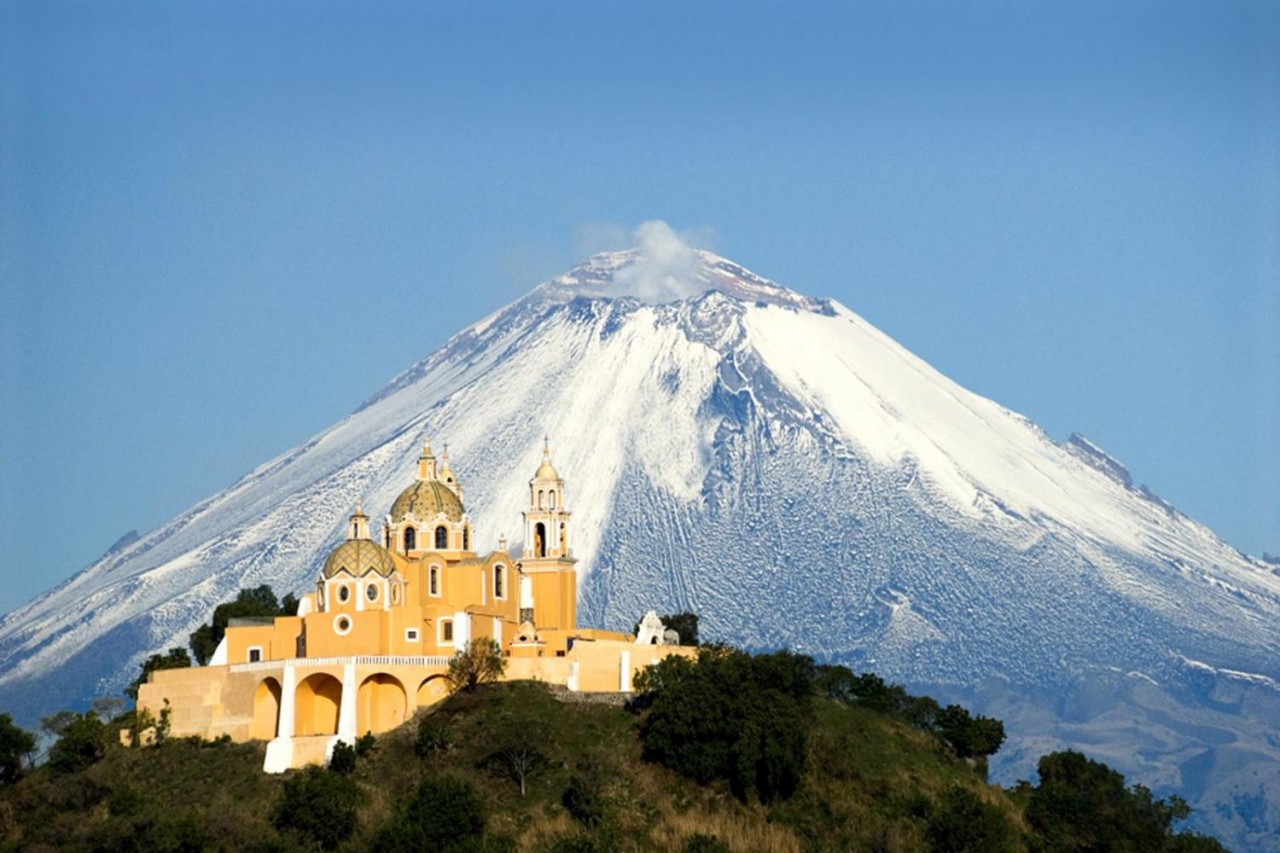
(223, 225)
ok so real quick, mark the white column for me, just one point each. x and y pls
(573, 676)
(461, 629)
(624, 672)
(497, 630)
(347, 710)
(280, 749)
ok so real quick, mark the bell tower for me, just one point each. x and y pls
(547, 559)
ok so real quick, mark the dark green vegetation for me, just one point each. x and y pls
(731, 752)
(259, 602)
(685, 624)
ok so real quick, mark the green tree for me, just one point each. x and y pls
(175, 658)
(82, 742)
(319, 806)
(17, 746)
(969, 736)
(584, 800)
(443, 814)
(1083, 805)
(433, 736)
(479, 663)
(260, 601)
(518, 754)
(729, 716)
(685, 624)
(343, 759)
(962, 823)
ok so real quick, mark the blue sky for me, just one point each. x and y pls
(223, 225)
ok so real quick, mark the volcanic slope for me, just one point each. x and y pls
(778, 465)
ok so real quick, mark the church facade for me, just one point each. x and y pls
(371, 644)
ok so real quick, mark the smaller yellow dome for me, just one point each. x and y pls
(546, 471)
(426, 499)
(359, 557)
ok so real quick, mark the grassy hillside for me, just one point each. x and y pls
(872, 783)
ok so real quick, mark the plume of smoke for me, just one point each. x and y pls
(666, 269)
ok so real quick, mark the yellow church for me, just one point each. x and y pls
(371, 645)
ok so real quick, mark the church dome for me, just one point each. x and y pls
(546, 471)
(425, 499)
(359, 556)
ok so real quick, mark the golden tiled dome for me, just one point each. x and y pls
(359, 556)
(425, 499)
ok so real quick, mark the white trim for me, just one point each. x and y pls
(439, 580)
(501, 568)
(248, 654)
(412, 635)
(453, 633)
(359, 660)
(338, 630)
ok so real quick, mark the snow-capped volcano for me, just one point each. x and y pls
(776, 464)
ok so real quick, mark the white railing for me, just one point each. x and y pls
(358, 660)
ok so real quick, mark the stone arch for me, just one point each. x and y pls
(266, 709)
(380, 703)
(316, 705)
(432, 690)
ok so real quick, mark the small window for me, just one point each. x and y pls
(466, 538)
(442, 538)
(434, 583)
(371, 592)
(498, 574)
(553, 498)
(410, 539)
(446, 631)
(395, 594)
(343, 593)
(411, 634)
(255, 654)
(342, 625)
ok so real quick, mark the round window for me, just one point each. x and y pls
(343, 593)
(371, 592)
(342, 624)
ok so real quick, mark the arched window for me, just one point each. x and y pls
(498, 574)
(410, 539)
(387, 536)
(553, 498)
(442, 537)
(466, 538)
(446, 631)
(541, 495)
(540, 540)
(434, 583)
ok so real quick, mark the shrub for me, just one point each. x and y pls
(969, 736)
(479, 663)
(365, 744)
(319, 806)
(701, 843)
(962, 823)
(444, 814)
(584, 801)
(433, 736)
(343, 759)
(83, 742)
(17, 746)
(729, 716)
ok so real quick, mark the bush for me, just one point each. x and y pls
(366, 744)
(343, 760)
(729, 716)
(584, 801)
(319, 806)
(433, 736)
(444, 814)
(17, 747)
(479, 663)
(701, 843)
(969, 736)
(1082, 804)
(83, 742)
(962, 823)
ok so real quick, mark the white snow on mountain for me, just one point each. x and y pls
(775, 463)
